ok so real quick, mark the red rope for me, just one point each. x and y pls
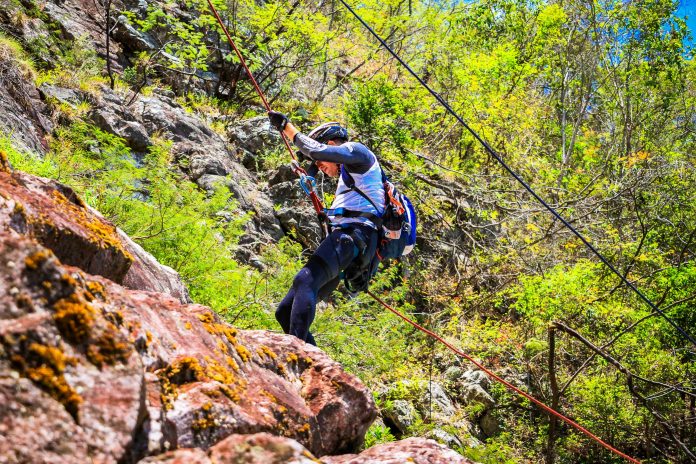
(251, 76)
(316, 202)
(546, 408)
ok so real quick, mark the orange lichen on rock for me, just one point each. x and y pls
(243, 353)
(304, 428)
(108, 349)
(96, 289)
(35, 260)
(103, 234)
(148, 338)
(232, 385)
(74, 318)
(216, 328)
(206, 317)
(18, 209)
(232, 363)
(4, 162)
(205, 419)
(44, 365)
(180, 372)
(264, 351)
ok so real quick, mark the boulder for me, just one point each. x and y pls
(23, 116)
(296, 213)
(72, 385)
(260, 448)
(401, 415)
(446, 438)
(112, 115)
(411, 450)
(424, 394)
(255, 135)
(131, 38)
(489, 424)
(56, 217)
(140, 373)
(215, 382)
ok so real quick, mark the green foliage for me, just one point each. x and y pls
(80, 67)
(377, 434)
(380, 112)
(496, 452)
(12, 52)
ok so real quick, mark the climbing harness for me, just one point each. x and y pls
(307, 182)
(308, 185)
(526, 186)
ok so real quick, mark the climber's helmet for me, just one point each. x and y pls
(329, 131)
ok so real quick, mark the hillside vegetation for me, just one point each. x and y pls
(592, 102)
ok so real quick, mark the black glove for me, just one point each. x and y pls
(278, 120)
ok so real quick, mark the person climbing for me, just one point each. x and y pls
(355, 217)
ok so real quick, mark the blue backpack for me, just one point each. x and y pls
(395, 245)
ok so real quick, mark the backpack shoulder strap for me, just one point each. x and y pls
(350, 183)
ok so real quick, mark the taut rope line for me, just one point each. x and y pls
(507, 384)
(308, 186)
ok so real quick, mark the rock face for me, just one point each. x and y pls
(54, 216)
(409, 400)
(23, 116)
(412, 450)
(73, 385)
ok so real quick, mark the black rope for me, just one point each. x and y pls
(498, 158)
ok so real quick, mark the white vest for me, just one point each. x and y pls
(370, 183)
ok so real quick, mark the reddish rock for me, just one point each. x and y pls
(72, 383)
(182, 456)
(57, 218)
(260, 448)
(194, 381)
(216, 381)
(34, 427)
(411, 450)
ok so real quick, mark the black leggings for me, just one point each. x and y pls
(320, 276)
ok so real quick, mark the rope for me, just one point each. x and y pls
(507, 384)
(526, 186)
(295, 165)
